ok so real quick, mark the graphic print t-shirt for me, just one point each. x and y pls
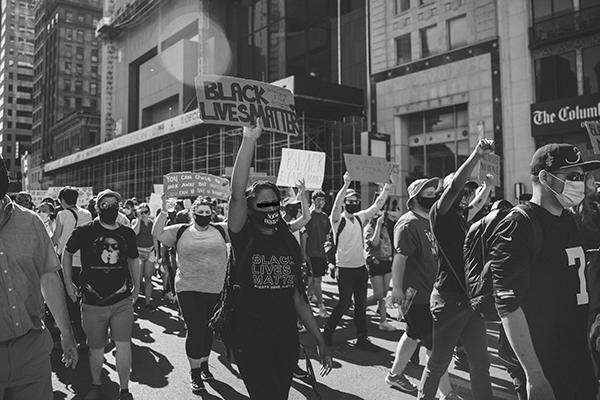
(105, 277)
(551, 289)
(269, 277)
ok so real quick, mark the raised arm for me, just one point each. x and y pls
(237, 215)
(136, 225)
(299, 223)
(158, 229)
(459, 179)
(372, 234)
(378, 203)
(336, 210)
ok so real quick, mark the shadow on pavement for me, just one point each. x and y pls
(325, 392)
(226, 391)
(169, 321)
(156, 376)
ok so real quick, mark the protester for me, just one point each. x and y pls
(46, 211)
(316, 235)
(542, 296)
(24, 200)
(29, 278)
(109, 285)
(453, 319)
(272, 294)
(202, 259)
(351, 260)
(379, 263)
(130, 210)
(147, 246)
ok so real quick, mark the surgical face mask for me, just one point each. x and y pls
(202, 220)
(267, 219)
(427, 202)
(572, 195)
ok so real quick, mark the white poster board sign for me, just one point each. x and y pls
(301, 164)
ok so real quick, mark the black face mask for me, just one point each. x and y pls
(352, 208)
(202, 220)
(267, 219)
(109, 215)
(427, 202)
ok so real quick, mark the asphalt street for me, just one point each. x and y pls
(160, 369)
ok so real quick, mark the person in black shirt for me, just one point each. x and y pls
(453, 319)
(543, 298)
(272, 294)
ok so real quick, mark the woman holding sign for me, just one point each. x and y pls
(271, 294)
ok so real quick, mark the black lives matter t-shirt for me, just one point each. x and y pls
(550, 289)
(105, 277)
(269, 277)
(450, 231)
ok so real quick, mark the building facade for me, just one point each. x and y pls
(66, 77)
(149, 125)
(16, 81)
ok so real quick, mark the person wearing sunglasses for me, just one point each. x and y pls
(271, 293)
(147, 245)
(543, 297)
(109, 285)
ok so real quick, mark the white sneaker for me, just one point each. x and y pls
(386, 326)
(323, 312)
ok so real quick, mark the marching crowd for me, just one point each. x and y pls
(251, 276)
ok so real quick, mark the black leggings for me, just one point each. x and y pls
(197, 309)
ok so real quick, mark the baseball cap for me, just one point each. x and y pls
(350, 193)
(469, 184)
(417, 187)
(556, 156)
(107, 193)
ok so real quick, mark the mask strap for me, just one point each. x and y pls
(557, 178)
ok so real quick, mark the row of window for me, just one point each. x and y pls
(78, 86)
(403, 5)
(556, 75)
(430, 40)
(18, 125)
(546, 9)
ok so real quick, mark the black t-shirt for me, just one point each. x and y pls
(450, 231)
(105, 277)
(269, 277)
(550, 289)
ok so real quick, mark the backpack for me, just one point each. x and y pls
(331, 245)
(478, 276)
(183, 228)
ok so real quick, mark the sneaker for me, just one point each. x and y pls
(386, 326)
(400, 382)
(452, 396)
(205, 372)
(366, 345)
(196, 382)
(125, 395)
(328, 336)
(95, 393)
(323, 312)
(299, 373)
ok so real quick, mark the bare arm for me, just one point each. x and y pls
(57, 231)
(336, 210)
(398, 270)
(480, 199)
(455, 188)
(373, 238)
(237, 215)
(158, 229)
(136, 225)
(136, 275)
(299, 223)
(379, 202)
(67, 267)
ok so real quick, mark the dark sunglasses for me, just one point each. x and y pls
(267, 205)
(104, 206)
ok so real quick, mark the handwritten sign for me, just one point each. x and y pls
(490, 164)
(367, 169)
(225, 100)
(301, 164)
(85, 194)
(593, 130)
(188, 184)
(155, 203)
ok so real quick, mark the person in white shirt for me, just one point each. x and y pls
(351, 261)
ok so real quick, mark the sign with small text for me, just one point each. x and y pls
(301, 164)
(367, 168)
(226, 100)
(490, 164)
(85, 194)
(191, 184)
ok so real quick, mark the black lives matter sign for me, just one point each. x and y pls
(225, 100)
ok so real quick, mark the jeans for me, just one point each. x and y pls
(453, 320)
(197, 309)
(352, 282)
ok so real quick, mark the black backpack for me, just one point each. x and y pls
(331, 245)
(478, 276)
(183, 228)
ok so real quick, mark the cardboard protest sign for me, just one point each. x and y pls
(301, 164)
(490, 164)
(226, 100)
(367, 169)
(189, 184)
(85, 194)
(593, 130)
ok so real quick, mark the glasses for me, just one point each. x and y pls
(108, 204)
(145, 212)
(574, 176)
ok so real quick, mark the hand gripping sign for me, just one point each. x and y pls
(225, 100)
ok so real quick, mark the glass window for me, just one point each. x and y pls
(67, 85)
(544, 9)
(588, 3)
(429, 41)
(68, 34)
(457, 32)
(591, 70)
(403, 49)
(401, 6)
(556, 76)
(69, 16)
